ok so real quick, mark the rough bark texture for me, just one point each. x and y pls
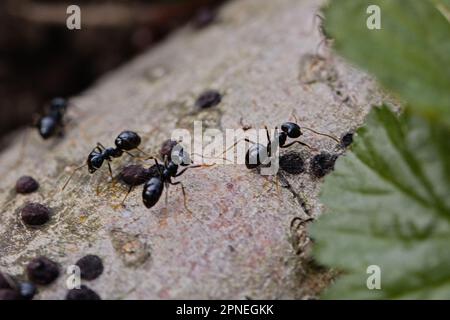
(238, 242)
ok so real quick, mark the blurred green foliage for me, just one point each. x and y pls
(388, 201)
(410, 55)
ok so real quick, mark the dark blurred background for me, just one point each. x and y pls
(40, 58)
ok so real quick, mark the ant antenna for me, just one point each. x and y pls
(73, 172)
(322, 134)
(314, 131)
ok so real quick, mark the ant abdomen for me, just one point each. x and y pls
(51, 123)
(128, 140)
(152, 191)
(47, 127)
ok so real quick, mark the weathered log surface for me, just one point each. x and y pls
(238, 243)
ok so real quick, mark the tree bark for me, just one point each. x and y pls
(237, 243)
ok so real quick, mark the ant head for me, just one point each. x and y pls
(291, 129)
(58, 104)
(94, 161)
(128, 140)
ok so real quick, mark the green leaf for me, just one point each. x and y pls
(388, 204)
(410, 55)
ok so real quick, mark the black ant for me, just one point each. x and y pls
(52, 123)
(258, 154)
(49, 124)
(125, 141)
(154, 187)
(174, 156)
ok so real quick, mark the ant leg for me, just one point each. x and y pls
(73, 172)
(135, 156)
(277, 184)
(193, 167)
(100, 146)
(184, 195)
(126, 196)
(267, 134)
(166, 200)
(110, 172)
(130, 154)
(223, 153)
(142, 151)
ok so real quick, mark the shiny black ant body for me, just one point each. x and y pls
(48, 125)
(125, 141)
(258, 155)
(174, 156)
(52, 123)
(154, 187)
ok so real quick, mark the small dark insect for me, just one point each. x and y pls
(52, 123)
(154, 187)
(42, 271)
(292, 163)
(26, 184)
(172, 153)
(161, 175)
(49, 124)
(91, 267)
(347, 139)
(125, 141)
(35, 214)
(208, 99)
(259, 155)
(322, 164)
(84, 293)
(174, 156)
(134, 175)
